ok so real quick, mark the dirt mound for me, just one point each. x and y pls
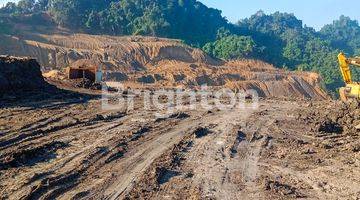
(20, 74)
(334, 118)
(54, 74)
(85, 83)
(157, 62)
(335, 124)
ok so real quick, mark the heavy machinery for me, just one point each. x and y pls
(352, 89)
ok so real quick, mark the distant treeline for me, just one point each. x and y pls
(279, 38)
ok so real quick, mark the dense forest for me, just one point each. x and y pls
(188, 20)
(278, 38)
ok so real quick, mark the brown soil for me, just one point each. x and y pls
(69, 148)
(328, 120)
(156, 62)
(275, 152)
(19, 75)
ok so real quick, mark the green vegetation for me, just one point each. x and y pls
(231, 47)
(5, 27)
(188, 20)
(279, 38)
(343, 34)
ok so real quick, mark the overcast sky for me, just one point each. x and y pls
(314, 13)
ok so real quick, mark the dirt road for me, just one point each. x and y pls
(73, 149)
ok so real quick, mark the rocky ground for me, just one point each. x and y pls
(66, 147)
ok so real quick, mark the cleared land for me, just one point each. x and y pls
(68, 147)
(60, 143)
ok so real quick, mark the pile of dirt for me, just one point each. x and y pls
(85, 83)
(333, 117)
(334, 124)
(20, 74)
(54, 74)
(152, 62)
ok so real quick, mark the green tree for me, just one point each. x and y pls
(26, 6)
(223, 32)
(151, 23)
(188, 20)
(93, 22)
(5, 26)
(231, 47)
(41, 5)
(65, 12)
(9, 8)
(343, 34)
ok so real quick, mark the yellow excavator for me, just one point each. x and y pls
(352, 89)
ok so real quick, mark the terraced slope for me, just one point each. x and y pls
(156, 62)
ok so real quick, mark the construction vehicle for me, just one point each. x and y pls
(352, 89)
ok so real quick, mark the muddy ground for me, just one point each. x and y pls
(63, 145)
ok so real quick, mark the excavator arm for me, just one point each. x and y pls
(352, 89)
(345, 67)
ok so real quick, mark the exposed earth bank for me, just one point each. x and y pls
(140, 62)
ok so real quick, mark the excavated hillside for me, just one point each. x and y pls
(157, 62)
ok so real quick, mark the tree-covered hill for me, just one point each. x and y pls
(283, 40)
(278, 38)
(188, 20)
